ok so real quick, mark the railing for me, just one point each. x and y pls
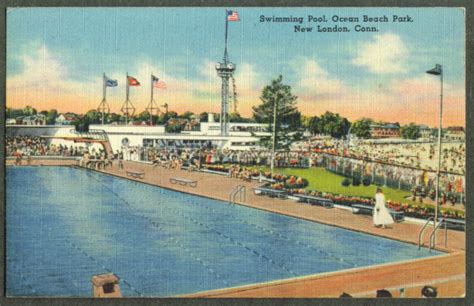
(241, 191)
(95, 136)
(99, 135)
(423, 229)
(433, 237)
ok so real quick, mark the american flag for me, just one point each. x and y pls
(233, 16)
(157, 83)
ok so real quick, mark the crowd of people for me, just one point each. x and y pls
(402, 165)
(422, 155)
(38, 146)
(25, 147)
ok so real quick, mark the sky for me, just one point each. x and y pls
(56, 58)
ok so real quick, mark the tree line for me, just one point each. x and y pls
(289, 121)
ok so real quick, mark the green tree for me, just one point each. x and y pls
(82, 124)
(434, 132)
(361, 128)
(164, 117)
(51, 116)
(410, 131)
(236, 117)
(93, 116)
(288, 116)
(333, 124)
(14, 113)
(113, 117)
(277, 92)
(204, 117)
(28, 111)
(187, 115)
(305, 121)
(314, 125)
(172, 114)
(143, 116)
(174, 127)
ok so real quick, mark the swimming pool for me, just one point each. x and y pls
(65, 225)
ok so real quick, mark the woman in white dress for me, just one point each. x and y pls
(382, 216)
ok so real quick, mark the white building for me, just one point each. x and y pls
(38, 119)
(242, 136)
(10, 121)
(64, 119)
(454, 133)
(425, 132)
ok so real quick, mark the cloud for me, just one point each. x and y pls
(401, 99)
(417, 98)
(316, 89)
(316, 81)
(45, 82)
(386, 53)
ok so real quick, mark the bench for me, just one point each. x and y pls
(273, 193)
(456, 224)
(134, 174)
(327, 203)
(183, 182)
(397, 216)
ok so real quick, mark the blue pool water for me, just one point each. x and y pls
(65, 225)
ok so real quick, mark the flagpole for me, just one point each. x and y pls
(226, 26)
(104, 88)
(126, 101)
(438, 70)
(440, 131)
(274, 140)
(151, 101)
(151, 79)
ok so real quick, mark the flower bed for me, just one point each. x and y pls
(296, 185)
(420, 211)
(281, 181)
(287, 182)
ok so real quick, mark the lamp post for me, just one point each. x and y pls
(438, 70)
(274, 140)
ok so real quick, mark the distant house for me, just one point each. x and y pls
(10, 121)
(455, 133)
(65, 119)
(138, 123)
(425, 131)
(192, 125)
(38, 119)
(388, 130)
(177, 121)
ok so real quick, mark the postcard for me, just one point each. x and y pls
(235, 152)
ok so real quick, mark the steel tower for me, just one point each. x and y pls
(225, 71)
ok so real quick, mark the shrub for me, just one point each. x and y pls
(366, 181)
(346, 182)
(297, 183)
(81, 125)
(356, 181)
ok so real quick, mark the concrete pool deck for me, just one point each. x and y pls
(445, 270)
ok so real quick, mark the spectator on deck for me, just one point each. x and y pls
(382, 293)
(429, 292)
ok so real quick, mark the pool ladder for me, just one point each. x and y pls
(432, 241)
(433, 237)
(240, 191)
